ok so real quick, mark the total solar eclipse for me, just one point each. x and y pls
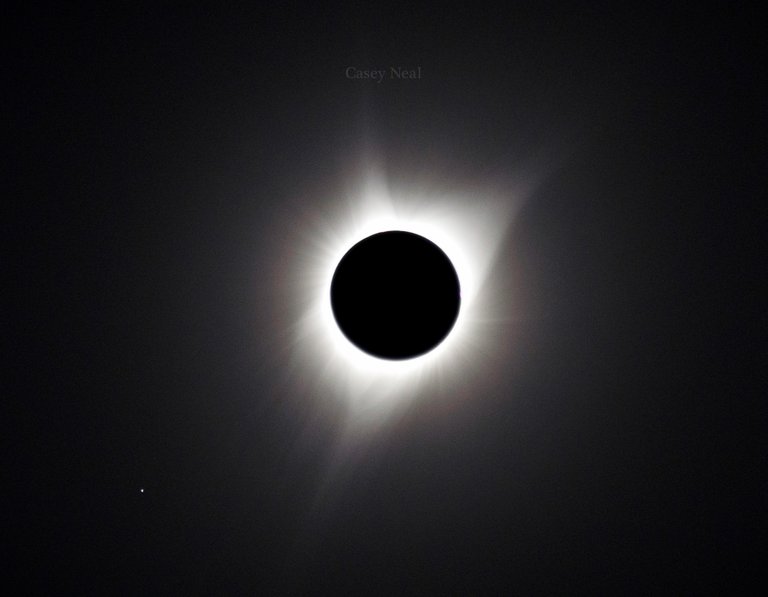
(395, 295)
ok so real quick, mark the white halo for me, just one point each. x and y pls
(468, 230)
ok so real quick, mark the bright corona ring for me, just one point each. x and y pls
(391, 295)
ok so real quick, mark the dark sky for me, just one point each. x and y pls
(160, 161)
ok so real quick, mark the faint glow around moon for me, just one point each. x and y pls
(469, 229)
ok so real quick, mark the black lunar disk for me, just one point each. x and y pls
(395, 295)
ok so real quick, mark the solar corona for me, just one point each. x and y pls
(392, 293)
